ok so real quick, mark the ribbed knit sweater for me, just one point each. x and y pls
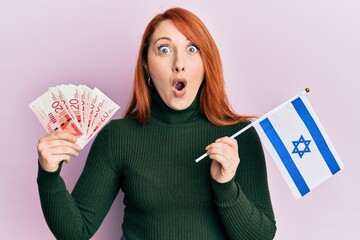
(166, 194)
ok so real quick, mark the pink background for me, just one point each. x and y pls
(271, 50)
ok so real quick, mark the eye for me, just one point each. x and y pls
(193, 49)
(164, 49)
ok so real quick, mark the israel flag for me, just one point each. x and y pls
(299, 145)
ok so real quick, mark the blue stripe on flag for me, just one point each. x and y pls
(316, 135)
(284, 156)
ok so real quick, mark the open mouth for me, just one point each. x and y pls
(179, 86)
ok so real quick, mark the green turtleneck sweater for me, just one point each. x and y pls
(166, 194)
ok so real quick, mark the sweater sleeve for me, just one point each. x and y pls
(79, 214)
(244, 203)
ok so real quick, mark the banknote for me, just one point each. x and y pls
(76, 109)
(102, 113)
(71, 97)
(86, 98)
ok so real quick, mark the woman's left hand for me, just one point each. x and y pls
(224, 153)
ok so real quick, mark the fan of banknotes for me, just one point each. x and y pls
(77, 109)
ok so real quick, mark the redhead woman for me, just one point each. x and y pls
(178, 107)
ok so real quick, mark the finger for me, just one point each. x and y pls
(50, 162)
(57, 143)
(232, 143)
(223, 150)
(58, 135)
(49, 148)
(63, 150)
(229, 141)
(219, 148)
(225, 162)
(60, 158)
(57, 139)
(52, 154)
(221, 153)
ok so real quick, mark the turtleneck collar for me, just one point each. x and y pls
(160, 111)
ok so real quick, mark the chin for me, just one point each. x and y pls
(179, 106)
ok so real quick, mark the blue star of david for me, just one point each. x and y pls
(296, 146)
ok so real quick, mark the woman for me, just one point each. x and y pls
(178, 107)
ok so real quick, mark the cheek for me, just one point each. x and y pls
(158, 69)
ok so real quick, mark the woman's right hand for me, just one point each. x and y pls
(56, 147)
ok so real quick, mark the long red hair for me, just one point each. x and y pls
(214, 104)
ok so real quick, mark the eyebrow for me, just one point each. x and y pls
(163, 38)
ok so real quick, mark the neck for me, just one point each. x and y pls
(162, 112)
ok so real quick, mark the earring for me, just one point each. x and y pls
(149, 81)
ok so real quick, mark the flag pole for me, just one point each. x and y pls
(247, 127)
(233, 136)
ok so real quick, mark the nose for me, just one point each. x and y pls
(179, 65)
(178, 69)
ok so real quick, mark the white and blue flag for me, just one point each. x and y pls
(299, 145)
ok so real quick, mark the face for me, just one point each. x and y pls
(174, 65)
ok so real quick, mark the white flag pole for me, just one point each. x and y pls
(233, 136)
(253, 123)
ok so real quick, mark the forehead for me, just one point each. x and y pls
(167, 29)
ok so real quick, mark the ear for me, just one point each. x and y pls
(145, 65)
